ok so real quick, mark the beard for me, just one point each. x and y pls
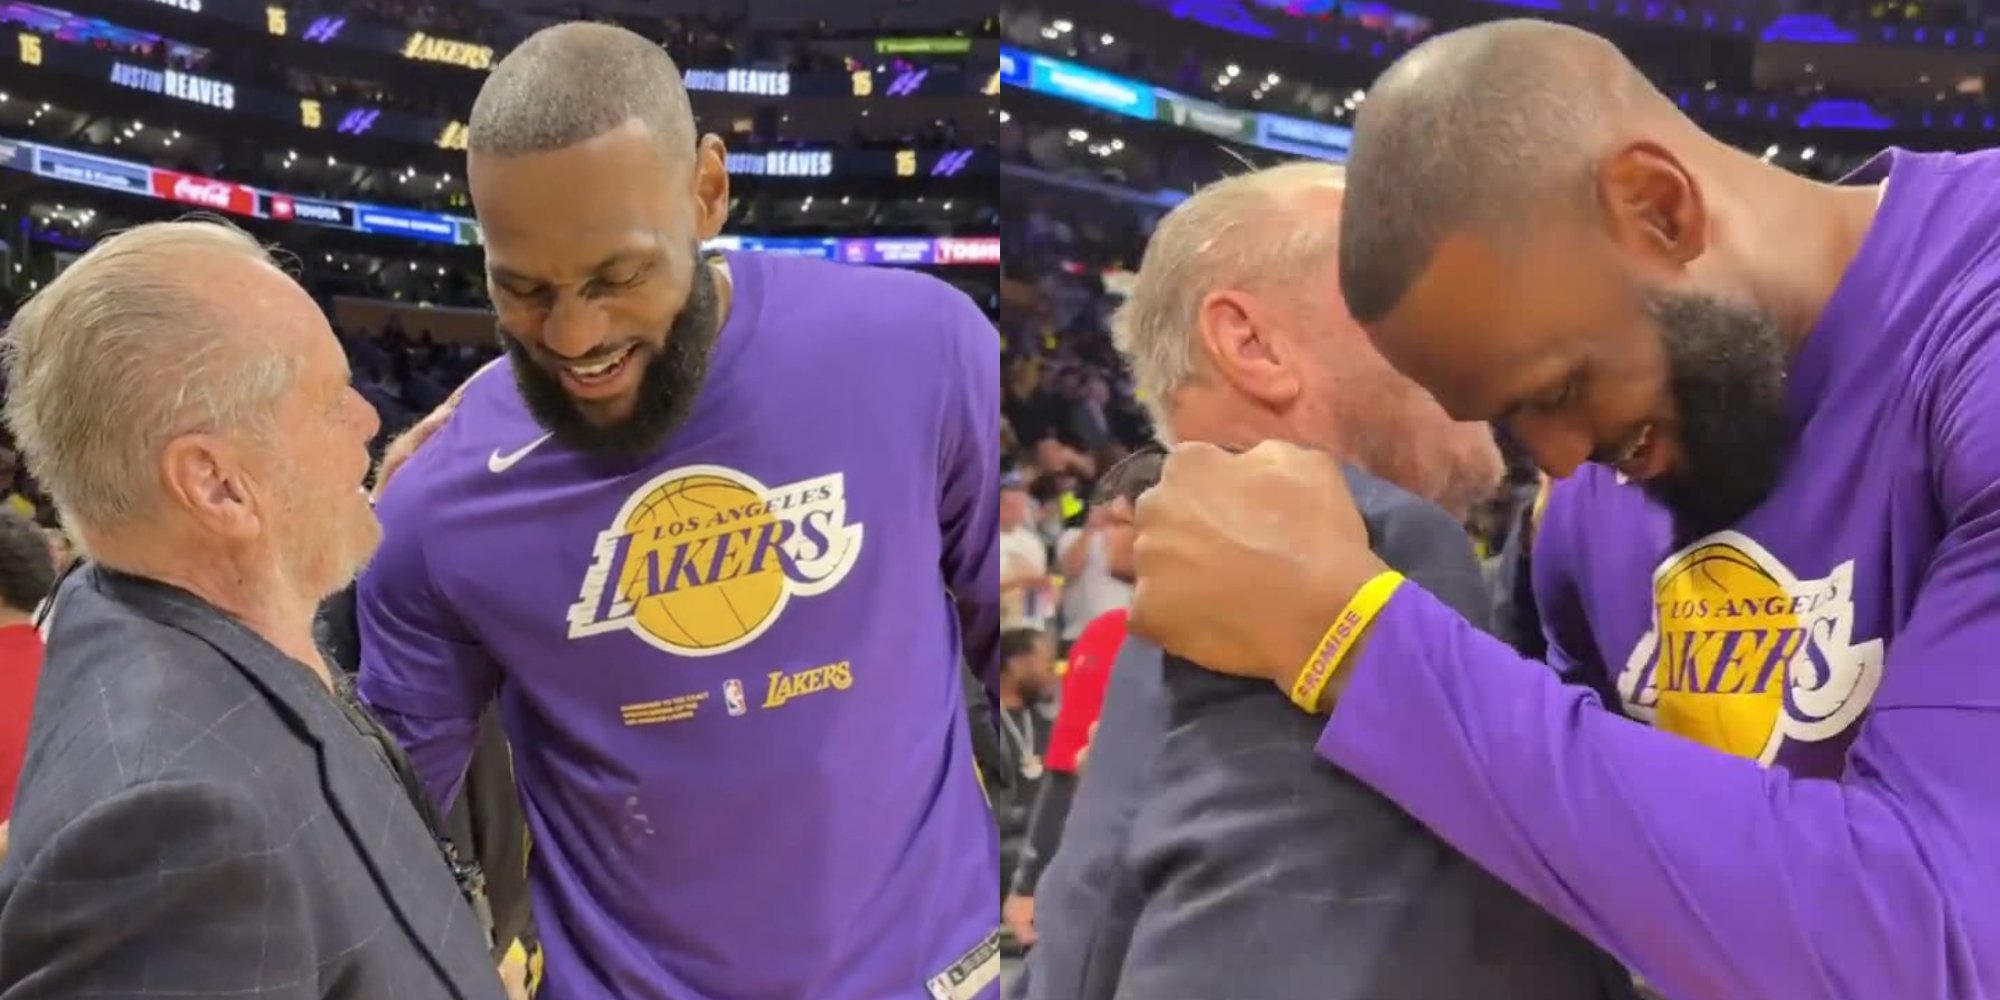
(672, 378)
(1726, 373)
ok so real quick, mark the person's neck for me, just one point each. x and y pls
(11, 617)
(1234, 424)
(254, 596)
(725, 291)
(1010, 698)
(1803, 237)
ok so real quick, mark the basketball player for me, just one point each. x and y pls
(713, 532)
(1785, 553)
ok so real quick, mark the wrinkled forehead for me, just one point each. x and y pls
(1488, 313)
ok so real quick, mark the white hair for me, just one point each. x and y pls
(123, 352)
(1241, 232)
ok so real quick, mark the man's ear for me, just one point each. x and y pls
(711, 186)
(1243, 350)
(206, 477)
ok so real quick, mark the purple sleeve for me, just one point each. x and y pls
(422, 673)
(1572, 652)
(969, 484)
(1714, 878)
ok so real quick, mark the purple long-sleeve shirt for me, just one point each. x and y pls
(1815, 810)
(731, 671)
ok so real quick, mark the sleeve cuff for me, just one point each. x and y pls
(1368, 733)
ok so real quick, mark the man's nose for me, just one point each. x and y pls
(574, 328)
(1557, 446)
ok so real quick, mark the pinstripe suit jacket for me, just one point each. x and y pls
(1211, 855)
(197, 818)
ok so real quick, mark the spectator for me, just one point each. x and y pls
(1090, 588)
(1027, 709)
(26, 573)
(1027, 592)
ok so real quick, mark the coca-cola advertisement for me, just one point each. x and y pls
(204, 192)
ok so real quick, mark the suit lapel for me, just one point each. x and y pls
(363, 792)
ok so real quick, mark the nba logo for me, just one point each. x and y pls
(732, 696)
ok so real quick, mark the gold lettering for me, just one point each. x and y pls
(453, 136)
(309, 114)
(864, 83)
(274, 20)
(906, 162)
(31, 49)
(785, 687)
(676, 709)
(425, 48)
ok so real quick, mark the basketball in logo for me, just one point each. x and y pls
(1729, 698)
(682, 521)
(1744, 655)
(702, 559)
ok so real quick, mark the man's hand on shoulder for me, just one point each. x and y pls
(1244, 560)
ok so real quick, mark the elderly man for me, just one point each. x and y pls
(198, 814)
(1773, 400)
(1210, 853)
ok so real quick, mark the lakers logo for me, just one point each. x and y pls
(702, 559)
(1743, 655)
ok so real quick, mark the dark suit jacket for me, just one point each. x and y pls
(486, 820)
(1211, 855)
(197, 818)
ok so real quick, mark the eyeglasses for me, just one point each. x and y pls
(1138, 472)
(1132, 475)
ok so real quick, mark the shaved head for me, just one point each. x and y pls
(1478, 130)
(574, 82)
(594, 197)
(1542, 239)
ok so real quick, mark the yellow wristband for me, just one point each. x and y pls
(1339, 639)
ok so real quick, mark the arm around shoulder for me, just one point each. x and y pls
(423, 673)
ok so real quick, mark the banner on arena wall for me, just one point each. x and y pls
(286, 208)
(343, 31)
(1206, 116)
(91, 171)
(922, 46)
(1083, 85)
(72, 167)
(223, 96)
(204, 192)
(1306, 138)
(421, 47)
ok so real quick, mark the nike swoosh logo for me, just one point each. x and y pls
(498, 462)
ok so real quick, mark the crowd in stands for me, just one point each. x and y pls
(407, 374)
(404, 372)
